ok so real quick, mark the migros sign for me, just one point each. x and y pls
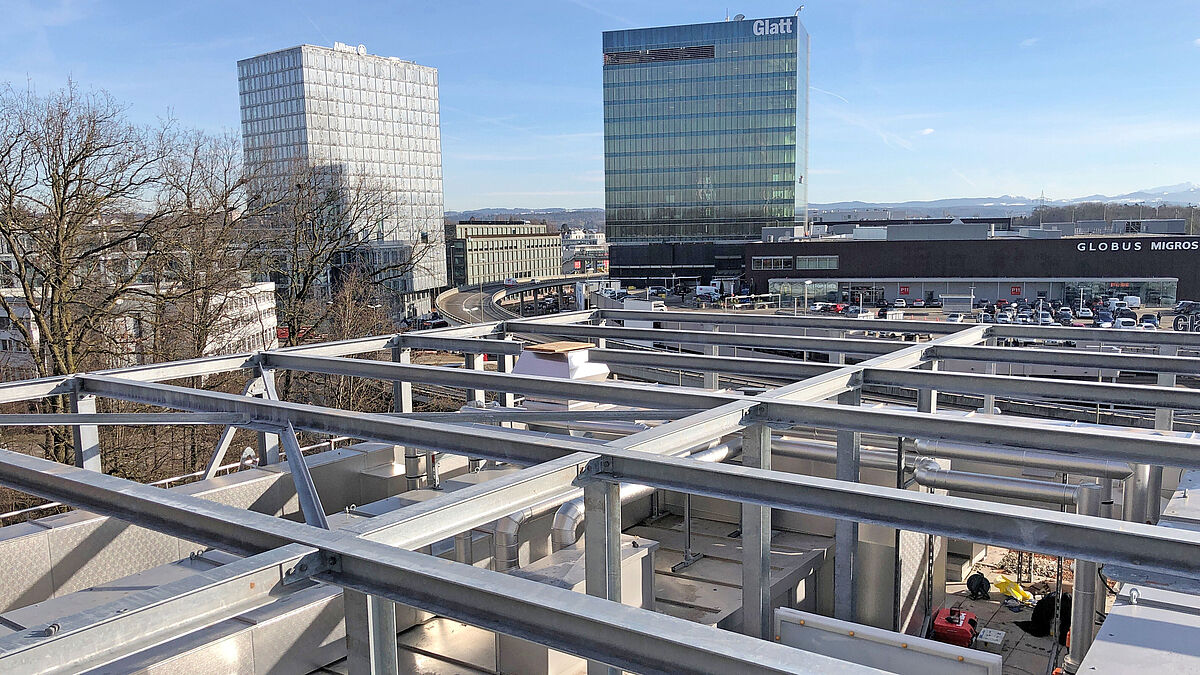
(773, 26)
(1118, 245)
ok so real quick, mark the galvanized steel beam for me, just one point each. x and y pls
(621, 636)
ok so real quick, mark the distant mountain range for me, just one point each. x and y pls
(1181, 194)
(1005, 205)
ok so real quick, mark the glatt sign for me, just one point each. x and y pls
(773, 26)
(1187, 323)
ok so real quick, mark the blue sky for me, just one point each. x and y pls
(910, 100)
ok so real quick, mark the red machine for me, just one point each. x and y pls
(955, 627)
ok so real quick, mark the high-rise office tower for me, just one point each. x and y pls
(370, 118)
(705, 130)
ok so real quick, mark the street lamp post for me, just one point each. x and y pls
(807, 283)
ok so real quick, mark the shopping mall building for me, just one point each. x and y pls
(1158, 268)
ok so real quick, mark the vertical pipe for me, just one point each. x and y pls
(845, 530)
(402, 402)
(1133, 508)
(602, 548)
(1083, 604)
(85, 437)
(475, 396)
(756, 540)
(462, 547)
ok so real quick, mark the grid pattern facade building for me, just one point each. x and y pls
(705, 130)
(371, 118)
(489, 252)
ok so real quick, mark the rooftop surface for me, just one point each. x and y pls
(785, 393)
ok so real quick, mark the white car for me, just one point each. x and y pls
(1124, 322)
(954, 318)
(918, 303)
(900, 302)
(1045, 319)
(1084, 313)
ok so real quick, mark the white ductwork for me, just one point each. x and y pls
(564, 531)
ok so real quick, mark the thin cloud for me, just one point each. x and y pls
(829, 93)
(925, 132)
(1196, 42)
(1029, 42)
(889, 138)
(597, 10)
(966, 180)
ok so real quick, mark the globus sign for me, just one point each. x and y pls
(904, 290)
(1014, 290)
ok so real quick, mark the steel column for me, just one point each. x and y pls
(849, 445)
(268, 443)
(402, 397)
(475, 362)
(927, 397)
(371, 647)
(602, 549)
(756, 541)
(85, 437)
(1164, 420)
(505, 365)
(712, 380)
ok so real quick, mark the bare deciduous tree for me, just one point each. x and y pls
(80, 225)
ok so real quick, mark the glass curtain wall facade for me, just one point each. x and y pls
(370, 118)
(705, 130)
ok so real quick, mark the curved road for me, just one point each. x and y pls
(471, 306)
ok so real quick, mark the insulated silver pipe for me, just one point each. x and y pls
(412, 467)
(931, 474)
(1087, 466)
(826, 453)
(564, 531)
(1083, 604)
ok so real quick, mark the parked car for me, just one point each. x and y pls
(954, 318)
(1149, 322)
(900, 302)
(660, 291)
(1124, 322)
(707, 297)
(432, 322)
(1003, 317)
(1084, 313)
(936, 303)
(1045, 319)
(984, 317)
(853, 312)
(1103, 319)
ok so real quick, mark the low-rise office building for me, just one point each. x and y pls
(490, 251)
